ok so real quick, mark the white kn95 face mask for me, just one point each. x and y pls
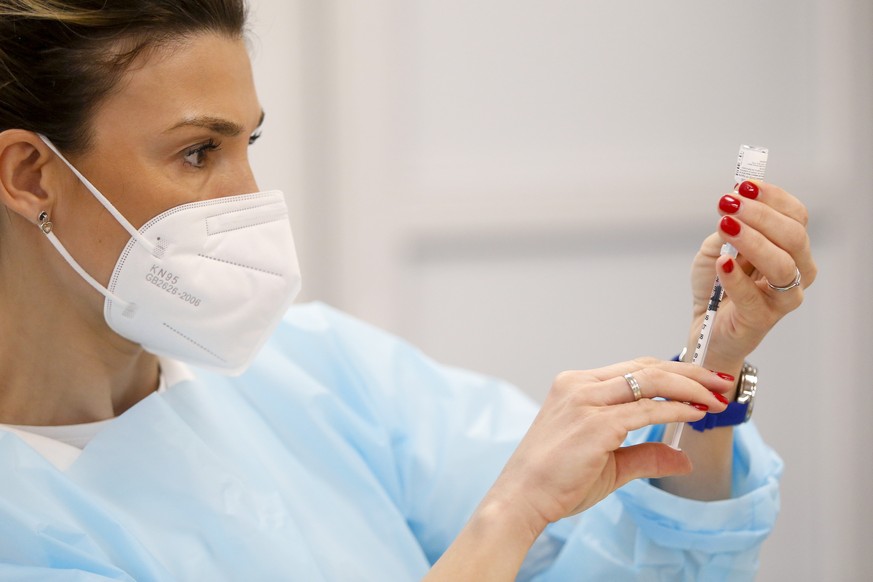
(205, 282)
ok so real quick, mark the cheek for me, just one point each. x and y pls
(91, 235)
(139, 198)
(104, 244)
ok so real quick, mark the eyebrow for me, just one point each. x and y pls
(217, 124)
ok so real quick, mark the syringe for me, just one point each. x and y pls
(751, 164)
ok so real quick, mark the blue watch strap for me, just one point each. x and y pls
(734, 414)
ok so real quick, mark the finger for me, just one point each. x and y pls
(709, 379)
(649, 460)
(772, 261)
(711, 246)
(660, 382)
(636, 415)
(608, 429)
(782, 230)
(776, 198)
(785, 231)
(742, 290)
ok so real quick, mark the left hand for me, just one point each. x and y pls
(767, 225)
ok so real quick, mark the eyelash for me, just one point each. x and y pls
(200, 152)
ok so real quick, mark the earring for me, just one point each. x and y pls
(44, 223)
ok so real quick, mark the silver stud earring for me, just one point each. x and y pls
(44, 223)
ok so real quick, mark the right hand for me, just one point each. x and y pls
(571, 457)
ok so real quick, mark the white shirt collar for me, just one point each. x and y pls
(62, 445)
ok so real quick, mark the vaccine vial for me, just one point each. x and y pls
(751, 163)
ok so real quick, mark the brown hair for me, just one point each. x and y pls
(60, 58)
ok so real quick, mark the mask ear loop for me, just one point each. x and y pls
(46, 226)
(134, 233)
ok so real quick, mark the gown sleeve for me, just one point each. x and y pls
(641, 532)
(451, 431)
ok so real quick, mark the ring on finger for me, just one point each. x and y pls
(789, 287)
(634, 386)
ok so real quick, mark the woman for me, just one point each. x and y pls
(139, 263)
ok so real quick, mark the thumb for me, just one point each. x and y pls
(737, 285)
(652, 460)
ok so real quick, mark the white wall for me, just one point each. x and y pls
(501, 180)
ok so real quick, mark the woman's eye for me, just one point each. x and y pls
(197, 156)
(254, 137)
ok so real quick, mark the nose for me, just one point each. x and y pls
(243, 180)
(251, 185)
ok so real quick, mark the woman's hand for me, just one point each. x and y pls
(571, 458)
(767, 225)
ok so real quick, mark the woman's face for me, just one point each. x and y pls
(176, 130)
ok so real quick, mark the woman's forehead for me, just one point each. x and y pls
(207, 75)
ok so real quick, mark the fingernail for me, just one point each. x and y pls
(702, 407)
(728, 266)
(748, 189)
(730, 226)
(723, 376)
(719, 397)
(729, 204)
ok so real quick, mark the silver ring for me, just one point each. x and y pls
(793, 284)
(634, 386)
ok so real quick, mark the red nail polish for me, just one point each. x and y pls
(748, 189)
(729, 204)
(719, 397)
(723, 376)
(727, 268)
(702, 407)
(730, 226)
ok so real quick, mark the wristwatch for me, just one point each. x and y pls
(737, 412)
(740, 410)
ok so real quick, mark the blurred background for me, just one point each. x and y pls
(519, 186)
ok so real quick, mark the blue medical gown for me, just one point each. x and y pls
(342, 454)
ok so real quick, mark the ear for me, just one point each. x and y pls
(28, 174)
